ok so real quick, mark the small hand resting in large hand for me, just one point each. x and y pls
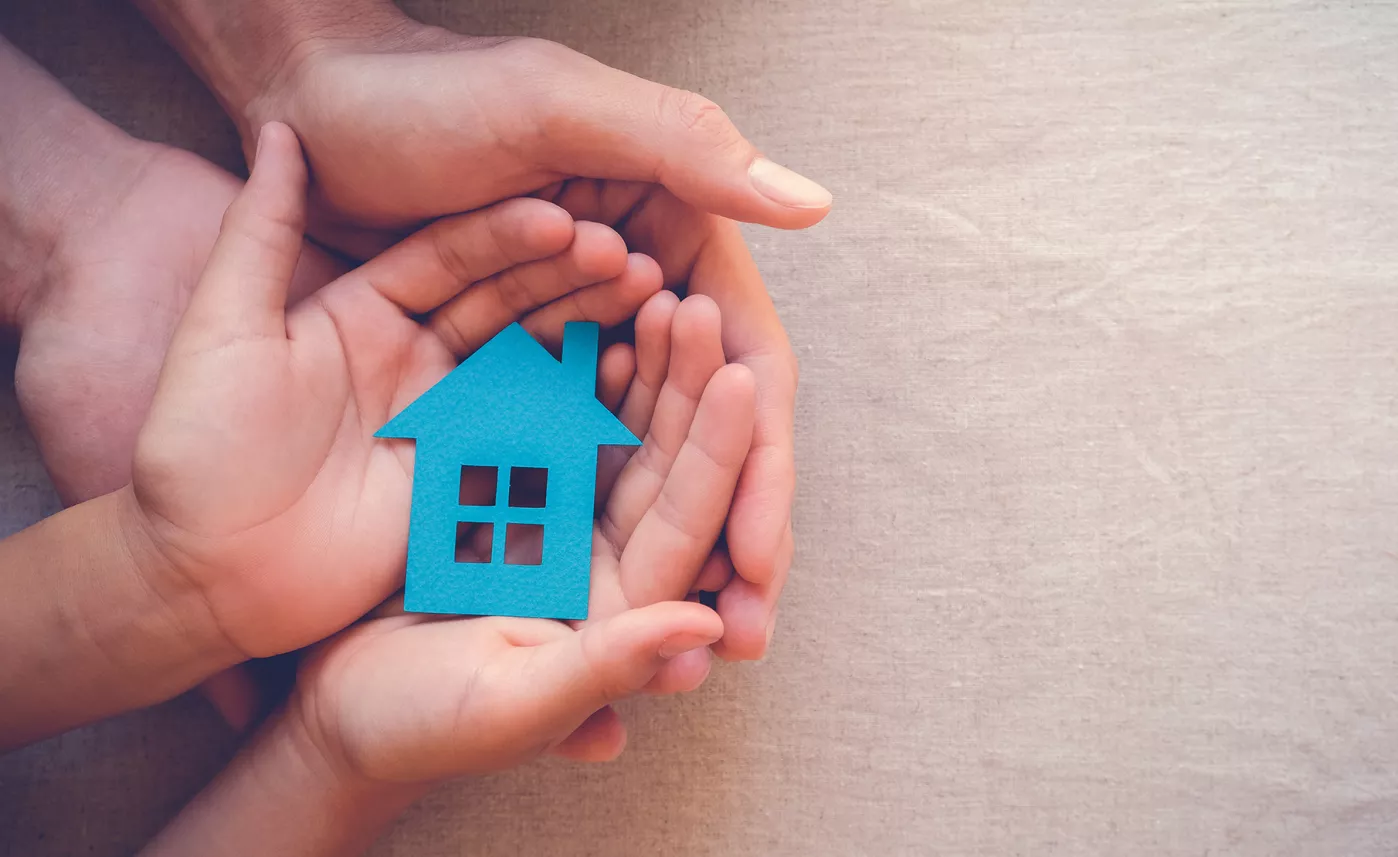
(398, 702)
(263, 515)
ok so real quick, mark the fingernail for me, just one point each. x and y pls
(783, 186)
(677, 645)
(257, 150)
(771, 628)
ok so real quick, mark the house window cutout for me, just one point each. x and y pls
(474, 542)
(529, 487)
(524, 544)
(477, 486)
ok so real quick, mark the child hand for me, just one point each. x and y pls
(414, 699)
(257, 476)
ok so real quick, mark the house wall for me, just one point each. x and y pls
(555, 589)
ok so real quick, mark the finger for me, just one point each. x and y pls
(560, 684)
(709, 256)
(683, 674)
(235, 696)
(652, 358)
(672, 541)
(696, 353)
(388, 609)
(601, 738)
(314, 269)
(715, 574)
(468, 320)
(653, 324)
(429, 267)
(592, 120)
(615, 369)
(749, 611)
(695, 356)
(242, 292)
(752, 335)
(608, 303)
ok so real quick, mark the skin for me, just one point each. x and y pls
(402, 122)
(278, 407)
(389, 707)
(103, 236)
(167, 612)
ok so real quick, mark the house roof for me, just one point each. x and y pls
(512, 394)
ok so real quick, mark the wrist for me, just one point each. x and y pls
(173, 606)
(319, 766)
(177, 599)
(249, 52)
(302, 804)
(54, 154)
(87, 634)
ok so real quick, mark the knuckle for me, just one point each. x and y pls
(700, 116)
(513, 293)
(536, 55)
(579, 309)
(449, 255)
(272, 231)
(445, 326)
(598, 663)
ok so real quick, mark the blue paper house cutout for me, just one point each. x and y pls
(514, 408)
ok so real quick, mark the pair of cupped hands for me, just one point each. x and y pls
(257, 487)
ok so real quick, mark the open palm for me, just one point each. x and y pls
(412, 698)
(257, 470)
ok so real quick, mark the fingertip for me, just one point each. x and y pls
(715, 573)
(746, 618)
(658, 309)
(615, 370)
(697, 310)
(601, 738)
(277, 159)
(234, 695)
(737, 385)
(645, 273)
(759, 534)
(678, 626)
(682, 674)
(653, 321)
(544, 227)
(803, 202)
(598, 251)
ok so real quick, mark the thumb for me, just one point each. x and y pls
(572, 677)
(600, 122)
(242, 292)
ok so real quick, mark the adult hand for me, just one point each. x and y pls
(403, 122)
(412, 122)
(94, 329)
(705, 254)
(101, 239)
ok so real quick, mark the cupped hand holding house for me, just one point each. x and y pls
(404, 122)
(386, 709)
(257, 474)
(415, 698)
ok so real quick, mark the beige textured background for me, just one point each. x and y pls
(1098, 511)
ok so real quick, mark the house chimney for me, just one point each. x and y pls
(580, 355)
